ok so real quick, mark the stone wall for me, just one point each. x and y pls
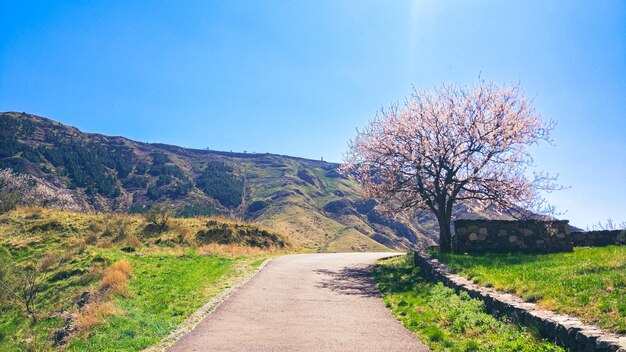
(598, 238)
(561, 329)
(473, 236)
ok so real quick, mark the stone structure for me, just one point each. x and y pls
(561, 329)
(473, 236)
(599, 238)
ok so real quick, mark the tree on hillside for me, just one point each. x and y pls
(452, 144)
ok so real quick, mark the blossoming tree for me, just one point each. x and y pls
(19, 189)
(452, 144)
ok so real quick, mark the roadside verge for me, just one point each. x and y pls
(562, 329)
(194, 319)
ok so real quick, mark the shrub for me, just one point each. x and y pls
(115, 279)
(116, 226)
(132, 242)
(24, 286)
(114, 282)
(239, 234)
(183, 233)
(91, 239)
(158, 217)
(621, 237)
(95, 227)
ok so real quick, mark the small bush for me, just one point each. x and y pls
(115, 279)
(116, 226)
(158, 218)
(91, 239)
(95, 226)
(132, 241)
(181, 234)
(621, 237)
(239, 234)
(123, 266)
(24, 285)
(114, 282)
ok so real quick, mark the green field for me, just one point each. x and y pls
(589, 283)
(142, 284)
(444, 320)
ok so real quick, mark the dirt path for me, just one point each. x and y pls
(308, 302)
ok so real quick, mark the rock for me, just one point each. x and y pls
(84, 299)
(60, 337)
(511, 235)
(339, 193)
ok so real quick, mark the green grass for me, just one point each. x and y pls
(444, 320)
(589, 283)
(168, 282)
(164, 291)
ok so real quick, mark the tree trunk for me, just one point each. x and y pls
(445, 234)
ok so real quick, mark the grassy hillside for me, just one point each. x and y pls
(115, 282)
(305, 199)
(589, 283)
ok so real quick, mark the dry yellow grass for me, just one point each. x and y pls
(132, 241)
(123, 266)
(82, 231)
(115, 279)
(94, 313)
(230, 250)
(50, 260)
(60, 241)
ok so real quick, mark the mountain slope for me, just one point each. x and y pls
(307, 200)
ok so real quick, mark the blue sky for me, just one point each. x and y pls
(297, 78)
